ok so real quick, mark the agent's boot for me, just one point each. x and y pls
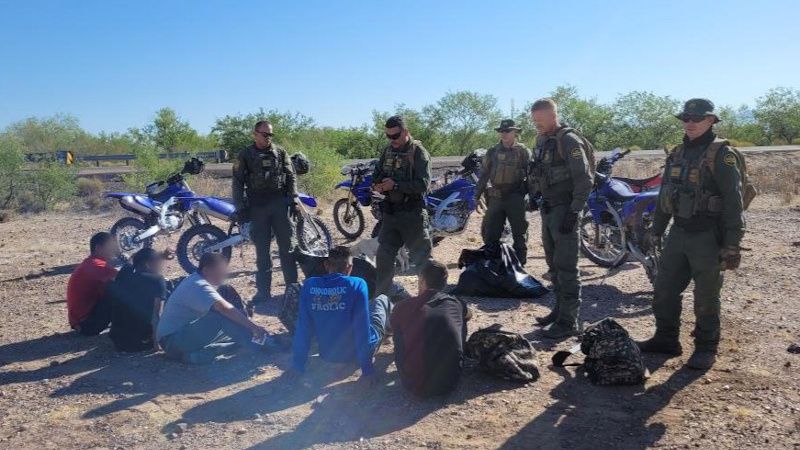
(548, 319)
(261, 298)
(660, 344)
(702, 359)
(557, 330)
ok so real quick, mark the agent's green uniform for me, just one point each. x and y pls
(506, 168)
(564, 180)
(706, 208)
(404, 217)
(264, 185)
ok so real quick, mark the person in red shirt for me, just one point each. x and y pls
(429, 335)
(88, 311)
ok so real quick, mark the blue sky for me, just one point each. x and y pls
(113, 63)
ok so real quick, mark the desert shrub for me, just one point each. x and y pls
(11, 173)
(738, 143)
(325, 171)
(6, 215)
(149, 168)
(90, 187)
(51, 184)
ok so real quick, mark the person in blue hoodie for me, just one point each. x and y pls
(335, 309)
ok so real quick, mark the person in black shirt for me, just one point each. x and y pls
(137, 295)
(429, 335)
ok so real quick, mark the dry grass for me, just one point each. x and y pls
(771, 173)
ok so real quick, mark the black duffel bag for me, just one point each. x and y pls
(495, 271)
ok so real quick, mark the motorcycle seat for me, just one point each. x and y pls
(638, 182)
(620, 190)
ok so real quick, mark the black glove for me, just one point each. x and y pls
(730, 258)
(240, 217)
(569, 222)
(534, 201)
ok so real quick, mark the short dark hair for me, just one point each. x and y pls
(435, 275)
(396, 121)
(544, 104)
(260, 123)
(211, 259)
(99, 239)
(339, 258)
(144, 256)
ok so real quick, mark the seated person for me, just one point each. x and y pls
(335, 309)
(136, 295)
(429, 335)
(196, 317)
(88, 311)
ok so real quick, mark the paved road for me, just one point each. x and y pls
(440, 162)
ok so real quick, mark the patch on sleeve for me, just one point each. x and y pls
(729, 159)
(577, 153)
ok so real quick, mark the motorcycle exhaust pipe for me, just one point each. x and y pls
(230, 242)
(129, 202)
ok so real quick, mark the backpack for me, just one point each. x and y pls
(505, 354)
(612, 357)
(749, 190)
(290, 307)
(588, 147)
(300, 163)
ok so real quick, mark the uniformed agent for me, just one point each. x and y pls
(702, 194)
(503, 175)
(561, 177)
(403, 175)
(264, 191)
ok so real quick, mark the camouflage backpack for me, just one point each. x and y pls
(290, 307)
(505, 354)
(612, 357)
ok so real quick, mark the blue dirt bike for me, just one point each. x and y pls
(452, 203)
(347, 213)
(313, 236)
(618, 219)
(162, 210)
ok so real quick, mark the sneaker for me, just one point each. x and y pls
(558, 331)
(702, 359)
(547, 320)
(656, 344)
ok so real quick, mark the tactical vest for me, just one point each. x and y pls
(266, 172)
(549, 167)
(689, 189)
(399, 166)
(508, 168)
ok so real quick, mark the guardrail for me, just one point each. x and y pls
(67, 157)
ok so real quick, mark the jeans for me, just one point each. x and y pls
(98, 319)
(202, 335)
(378, 318)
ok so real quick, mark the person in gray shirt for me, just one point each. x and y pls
(196, 316)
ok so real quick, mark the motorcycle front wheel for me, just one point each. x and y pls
(348, 218)
(193, 244)
(313, 236)
(125, 230)
(604, 243)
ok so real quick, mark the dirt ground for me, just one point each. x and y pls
(59, 390)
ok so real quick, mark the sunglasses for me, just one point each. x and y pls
(265, 134)
(394, 136)
(693, 119)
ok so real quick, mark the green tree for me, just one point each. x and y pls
(593, 120)
(466, 119)
(740, 126)
(234, 132)
(48, 134)
(168, 132)
(778, 111)
(11, 165)
(645, 120)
